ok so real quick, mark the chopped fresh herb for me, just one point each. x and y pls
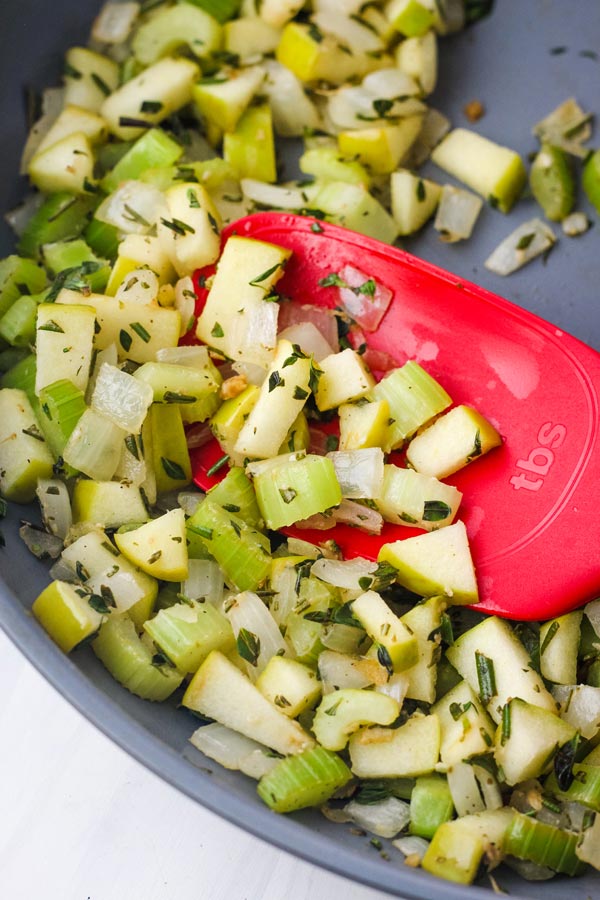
(288, 494)
(525, 241)
(477, 449)
(248, 646)
(275, 381)
(421, 192)
(133, 216)
(257, 281)
(382, 106)
(281, 701)
(300, 393)
(365, 582)
(132, 446)
(175, 397)
(557, 51)
(332, 443)
(140, 331)
(316, 228)
(435, 511)
(406, 517)
(314, 377)
(217, 331)
(367, 288)
(125, 340)
(231, 507)
(98, 604)
(193, 199)
(212, 222)
(159, 660)
(100, 83)
(506, 723)
(216, 467)
(477, 9)
(151, 106)
(177, 226)
(588, 54)
(154, 558)
(315, 33)
(71, 72)
(51, 325)
(130, 122)
(34, 432)
(385, 659)
(331, 710)
(554, 627)
(201, 531)
(81, 571)
(563, 763)
(173, 469)
(485, 676)
(333, 280)
(446, 630)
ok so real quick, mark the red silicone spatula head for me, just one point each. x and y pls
(531, 506)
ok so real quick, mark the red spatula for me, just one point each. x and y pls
(531, 507)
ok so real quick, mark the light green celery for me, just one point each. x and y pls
(61, 217)
(132, 662)
(235, 493)
(242, 552)
(61, 406)
(153, 149)
(414, 397)
(76, 254)
(297, 489)
(308, 779)
(17, 277)
(543, 844)
(22, 376)
(187, 632)
(102, 238)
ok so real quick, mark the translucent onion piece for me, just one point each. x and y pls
(344, 573)
(205, 580)
(349, 32)
(252, 373)
(233, 750)
(52, 104)
(134, 208)
(309, 338)
(354, 107)
(298, 547)
(362, 517)
(364, 300)
(196, 356)
(489, 788)
(114, 22)
(272, 196)
(120, 397)
(528, 870)
(411, 846)
(464, 789)
(396, 687)
(339, 670)
(529, 240)
(109, 355)
(39, 542)
(55, 504)
(94, 447)
(434, 127)
(385, 819)
(189, 501)
(456, 214)
(19, 217)
(342, 638)
(575, 224)
(592, 611)
(324, 320)
(140, 286)
(359, 472)
(580, 707)
(293, 112)
(568, 127)
(247, 611)
(589, 848)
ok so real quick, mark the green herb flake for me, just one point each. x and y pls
(216, 467)
(151, 106)
(200, 530)
(315, 33)
(140, 331)
(333, 280)
(316, 228)
(212, 222)
(193, 198)
(256, 282)
(34, 432)
(178, 227)
(175, 397)
(486, 677)
(125, 340)
(435, 511)
(248, 646)
(288, 494)
(384, 659)
(421, 192)
(217, 331)
(281, 701)
(477, 449)
(382, 106)
(552, 631)
(300, 393)
(275, 381)
(53, 326)
(506, 723)
(173, 469)
(154, 558)
(332, 443)
(71, 72)
(332, 710)
(525, 241)
(100, 84)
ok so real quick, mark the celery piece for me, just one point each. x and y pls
(296, 489)
(61, 217)
(17, 325)
(187, 632)
(250, 149)
(552, 182)
(221, 10)
(62, 404)
(353, 206)
(22, 376)
(543, 844)
(242, 552)
(18, 277)
(308, 779)
(414, 397)
(94, 446)
(154, 148)
(327, 163)
(67, 613)
(78, 256)
(585, 787)
(11, 356)
(131, 661)
(430, 805)
(194, 390)
(590, 179)
(102, 238)
(235, 493)
(171, 29)
(108, 155)
(305, 637)
(170, 456)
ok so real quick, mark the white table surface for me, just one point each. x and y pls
(81, 820)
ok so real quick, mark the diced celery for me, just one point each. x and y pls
(308, 779)
(11, 356)
(76, 254)
(221, 10)
(585, 787)
(194, 390)
(170, 456)
(187, 632)
(235, 493)
(17, 277)
(250, 149)
(153, 149)
(296, 489)
(61, 406)
(543, 844)
(102, 238)
(61, 217)
(94, 446)
(17, 325)
(22, 376)
(131, 661)
(430, 805)
(242, 552)
(414, 397)
(342, 712)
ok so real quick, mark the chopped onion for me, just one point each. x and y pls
(339, 670)
(94, 446)
(134, 208)
(19, 217)
(189, 501)
(253, 373)
(568, 127)
(348, 31)
(464, 789)
(529, 240)
(262, 466)
(528, 870)
(121, 398)
(140, 287)
(41, 543)
(434, 127)
(233, 750)
(247, 611)
(588, 849)
(396, 687)
(55, 505)
(318, 522)
(359, 472)
(52, 103)
(272, 196)
(456, 214)
(342, 638)
(110, 356)
(582, 709)
(195, 356)
(114, 22)
(363, 298)
(592, 611)
(352, 107)
(352, 513)
(412, 846)
(345, 574)
(205, 581)
(309, 338)
(61, 571)
(293, 112)
(490, 791)
(386, 818)
(324, 320)
(575, 224)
